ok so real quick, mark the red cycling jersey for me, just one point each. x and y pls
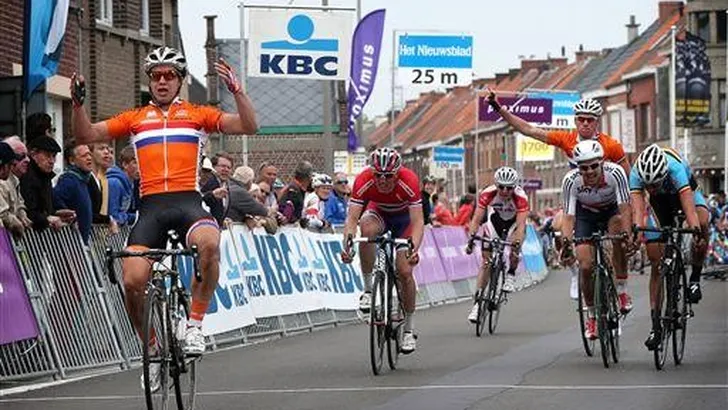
(506, 207)
(406, 193)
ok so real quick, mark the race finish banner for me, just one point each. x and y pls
(692, 82)
(530, 150)
(303, 44)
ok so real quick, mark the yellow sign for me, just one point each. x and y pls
(529, 149)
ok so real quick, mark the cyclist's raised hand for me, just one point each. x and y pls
(227, 74)
(78, 89)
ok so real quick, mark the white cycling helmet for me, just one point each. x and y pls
(652, 165)
(588, 106)
(506, 176)
(588, 150)
(320, 180)
(166, 56)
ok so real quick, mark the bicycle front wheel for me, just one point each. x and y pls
(680, 314)
(601, 305)
(660, 353)
(156, 349)
(482, 302)
(494, 297)
(183, 369)
(396, 320)
(377, 324)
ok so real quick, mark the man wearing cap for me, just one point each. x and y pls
(7, 159)
(36, 186)
(13, 214)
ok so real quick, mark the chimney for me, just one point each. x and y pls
(668, 9)
(632, 29)
(500, 77)
(211, 56)
(581, 47)
(563, 51)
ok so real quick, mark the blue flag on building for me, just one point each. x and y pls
(45, 27)
(365, 48)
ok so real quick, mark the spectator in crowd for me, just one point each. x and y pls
(472, 189)
(428, 189)
(465, 211)
(245, 176)
(278, 186)
(314, 213)
(215, 191)
(39, 124)
(71, 191)
(268, 173)
(206, 171)
(130, 165)
(121, 187)
(243, 206)
(442, 215)
(266, 191)
(13, 214)
(7, 160)
(36, 186)
(98, 185)
(336, 205)
(290, 204)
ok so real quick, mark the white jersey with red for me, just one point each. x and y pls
(505, 207)
(390, 208)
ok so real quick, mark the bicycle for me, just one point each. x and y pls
(495, 298)
(385, 317)
(675, 305)
(166, 309)
(606, 301)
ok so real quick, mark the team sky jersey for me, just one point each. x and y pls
(505, 207)
(167, 144)
(679, 176)
(610, 191)
(567, 140)
(406, 193)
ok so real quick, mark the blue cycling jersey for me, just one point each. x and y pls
(679, 176)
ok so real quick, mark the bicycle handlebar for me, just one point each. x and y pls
(494, 240)
(596, 237)
(150, 254)
(381, 239)
(666, 229)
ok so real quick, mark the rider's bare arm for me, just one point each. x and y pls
(567, 226)
(352, 219)
(475, 221)
(86, 132)
(524, 127)
(688, 206)
(638, 208)
(243, 122)
(520, 232)
(417, 219)
(625, 216)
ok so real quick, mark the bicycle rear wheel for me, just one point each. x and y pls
(582, 310)
(377, 323)
(660, 353)
(494, 297)
(394, 328)
(680, 314)
(183, 369)
(156, 348)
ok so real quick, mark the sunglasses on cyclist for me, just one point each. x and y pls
(505, 188)
(158, 75)
(585, 168)
(587, 120)
(342, 181)
(384, 175)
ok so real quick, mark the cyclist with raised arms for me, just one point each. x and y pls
(386, 197)
(669, 181)
(596, 198)
(502, 211)
(168, 135)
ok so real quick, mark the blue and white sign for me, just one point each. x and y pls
(305, 44)
(434, 59)
(448, 157)
(563, 107)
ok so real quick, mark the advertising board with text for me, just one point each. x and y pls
(434, 59)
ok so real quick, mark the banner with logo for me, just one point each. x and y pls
(562, 108)
(450, 243)
(45, 28)
(532, 110)
(17, 320)
(430, 269)
(692, 81)
(303, 44)
(367, 44)
(529, 149)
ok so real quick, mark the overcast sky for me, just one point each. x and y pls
(502, 30)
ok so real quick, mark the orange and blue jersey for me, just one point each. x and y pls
(168, 144)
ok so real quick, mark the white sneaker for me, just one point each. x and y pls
(155, 377)
(194, 341)
(365, 301)
(409, 343)
(509, 284)
(574, 288)
(473, 316)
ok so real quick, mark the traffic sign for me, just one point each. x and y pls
(434, 59)
(448, 157)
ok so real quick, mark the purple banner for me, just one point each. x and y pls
(430, 269)
(532, 184)
(365, 48)
(451, 242)
(17, 320)
(535, 110)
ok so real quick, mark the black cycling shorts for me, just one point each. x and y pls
(160, 213)
(589, 222)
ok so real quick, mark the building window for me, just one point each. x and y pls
(702, 20)
(643, 130)
(722, 27)
(144, 15)
(104, 11)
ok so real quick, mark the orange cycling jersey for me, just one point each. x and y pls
(567, 140)
(167, 144)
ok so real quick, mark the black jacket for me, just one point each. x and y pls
(241, 203)
(426, 208)
(290, 204)
(217, 209)
(96, 199)
(37, 191)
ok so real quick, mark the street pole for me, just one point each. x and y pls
(391, 113)
(243, 73)
(328, 136)
(725, 140)
(476, 142)
(673, 58)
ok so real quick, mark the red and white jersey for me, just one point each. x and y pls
(313, 206)
(506, 207)
(406, 193)
(611, 190)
